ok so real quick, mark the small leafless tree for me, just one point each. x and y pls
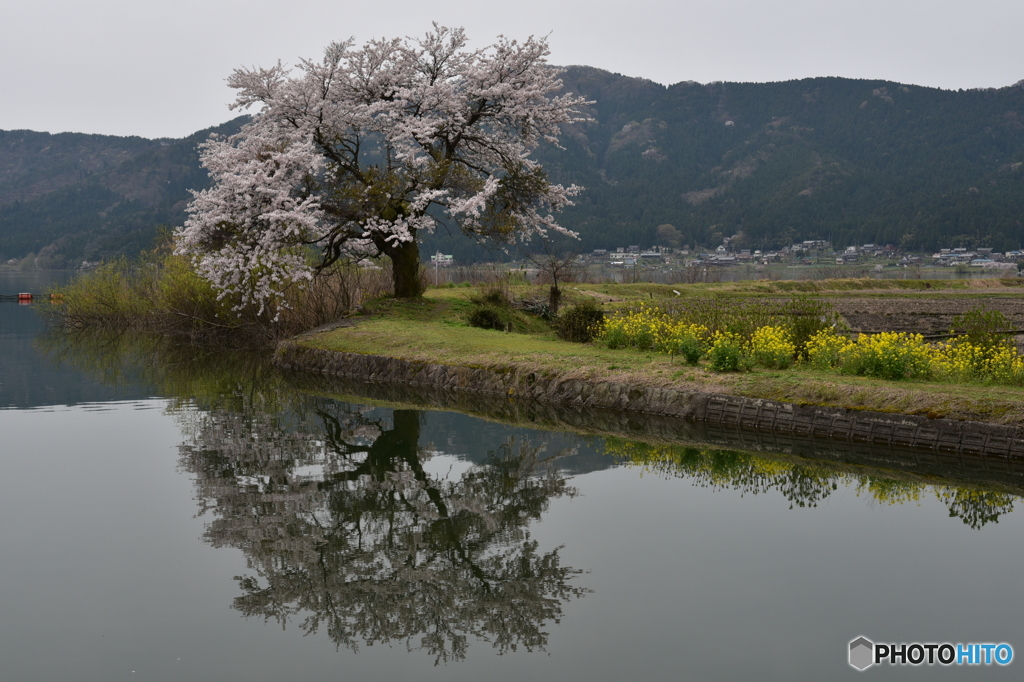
(555, 269)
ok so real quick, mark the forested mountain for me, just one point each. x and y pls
(854, 161)
(71, 197)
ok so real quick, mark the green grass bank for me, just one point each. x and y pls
(435, 330)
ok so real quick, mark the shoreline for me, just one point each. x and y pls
(720, 410)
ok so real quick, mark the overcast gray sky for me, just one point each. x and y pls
(156, 68)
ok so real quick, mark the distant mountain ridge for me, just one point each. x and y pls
(854, 161)
(69, 197)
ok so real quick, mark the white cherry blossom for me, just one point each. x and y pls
(354, 155)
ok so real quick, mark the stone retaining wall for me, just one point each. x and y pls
(711, 409)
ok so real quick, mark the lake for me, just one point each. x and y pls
(167, 514)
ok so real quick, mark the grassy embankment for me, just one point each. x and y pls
(435, 329)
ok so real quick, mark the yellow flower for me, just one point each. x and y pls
(771, 347)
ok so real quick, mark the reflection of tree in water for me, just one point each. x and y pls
(346, 530)
(728, 469)
(976, 507)
(235, 381)
(803, 485)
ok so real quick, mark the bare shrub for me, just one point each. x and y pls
(687, 275)
(468, 275)
(827, 272)
(711, 275)
(633, 275)
(333, 293)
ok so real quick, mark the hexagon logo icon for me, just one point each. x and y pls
(861, 653)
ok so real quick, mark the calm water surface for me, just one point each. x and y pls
(167, 517)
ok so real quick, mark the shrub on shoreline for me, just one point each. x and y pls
(580, 321)
(161, 293)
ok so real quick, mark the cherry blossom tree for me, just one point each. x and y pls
(357, 154)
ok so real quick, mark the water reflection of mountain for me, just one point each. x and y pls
(30, 378)
(460, 434)
(346, 528)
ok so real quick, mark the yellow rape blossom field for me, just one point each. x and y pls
(810, 360)
(887, 355)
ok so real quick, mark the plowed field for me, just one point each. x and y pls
(919, 313)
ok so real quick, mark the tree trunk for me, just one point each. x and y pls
(554, 298)
(405, 269)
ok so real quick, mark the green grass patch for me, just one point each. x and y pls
(433, 330)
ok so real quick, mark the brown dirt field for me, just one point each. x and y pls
(921, 314)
